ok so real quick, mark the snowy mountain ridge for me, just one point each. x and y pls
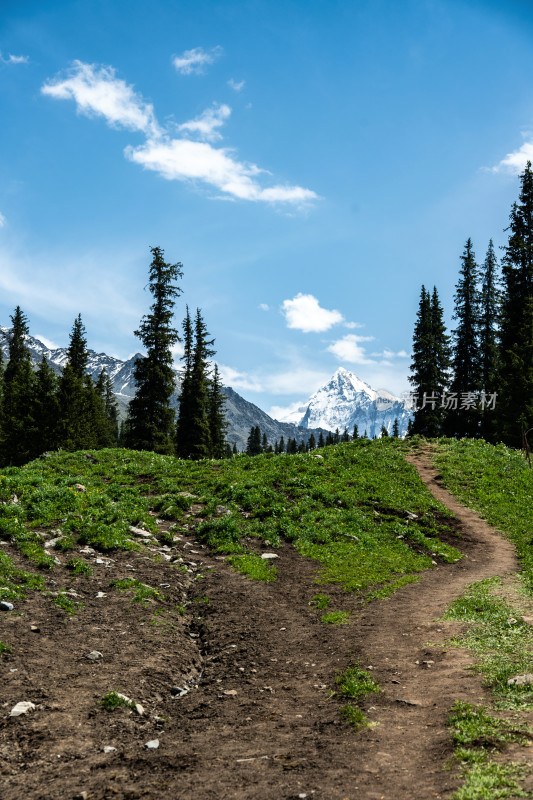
(346, 401)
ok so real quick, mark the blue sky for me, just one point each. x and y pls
(310, 163)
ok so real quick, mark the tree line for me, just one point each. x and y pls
(478, 381)
(257, 442)
(42, 411)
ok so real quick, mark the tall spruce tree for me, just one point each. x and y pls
(463, 417)
(216, 416)
(430, 366)
(515, 400)
(488, 340)
(193, 437)
(46, 407)
(150, 415)
(253, 445)
(75, 426)
(17, 445)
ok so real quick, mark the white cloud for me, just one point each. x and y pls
(517, 160)
(239, 380)
(264, 307)
(193, 62)
(352, 325)
(237, 86)
(298, 380)
(98, 92)
(349, 349)
(205, 126)
(388, 354)
(304, 313)
(291, 413)
(2, 220)
(181, 159)
(11, 59)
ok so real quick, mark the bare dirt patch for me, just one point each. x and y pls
(259, 720)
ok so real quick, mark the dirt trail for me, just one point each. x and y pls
(262, 723)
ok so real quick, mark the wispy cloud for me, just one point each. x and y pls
(181, 159)
(517, 160)
(98, 92)
(264, 307)
(349, 349)
(239, 380)
(194, 62)
(11, 59)
(388, 354)
(237, 86)
(304, 313)
(2, 220)
(206, 125)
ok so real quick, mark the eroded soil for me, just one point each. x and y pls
(260, 720)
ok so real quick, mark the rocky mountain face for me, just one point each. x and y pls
(346, 401)
(240, 414)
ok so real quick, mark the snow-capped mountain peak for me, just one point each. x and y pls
(346, 401)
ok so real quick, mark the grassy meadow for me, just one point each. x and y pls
(357, 509)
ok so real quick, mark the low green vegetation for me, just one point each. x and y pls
(336, 617)
(500, 638)
(359, 511)
(141, 591)
(113, 700)
(320, 601)
(5, 648)
(497, 482)
(253, 566)
(354, 684)
(478, 736)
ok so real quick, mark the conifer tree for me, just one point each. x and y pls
(321, 442)
(466, 363)
(253, 446)
(336, 436)
(45, 407)
(105, 410)
(18, 429)
(217, 420)
(150, 416)
(515, 400)
(282, 445)
(76, 420)
(488, 345)
(431, 361)
(396, 428)
(345, 435)
(355, 434)
(384, 432)
(312, 442)
(193, 439)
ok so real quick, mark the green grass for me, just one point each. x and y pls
(141, 591)
(493, 781)
(320, 601)
(355, 683)
(113, 700)
(498, 483)
(336, 617)
(502, 642)
(5, 648)
(253, 566)
(78, 566)
(348, 510)
(477, 736)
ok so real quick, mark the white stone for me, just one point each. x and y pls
(22, 708)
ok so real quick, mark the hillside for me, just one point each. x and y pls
(212, 629)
